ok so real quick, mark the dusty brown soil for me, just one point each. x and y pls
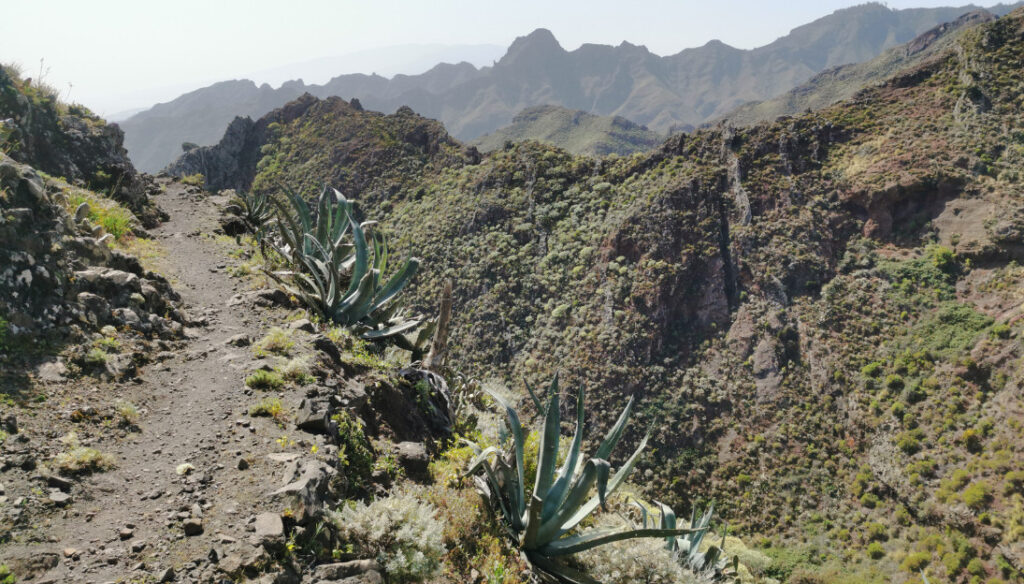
(126, 524)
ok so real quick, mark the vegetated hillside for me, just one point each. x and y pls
(355, 150)
(69, 141)
(662, 93)
(842, 82)
(821, 316)
(574, 130)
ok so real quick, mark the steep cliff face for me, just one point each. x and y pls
(231, 163)
(69, 141)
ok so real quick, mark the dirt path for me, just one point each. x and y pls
(128, 524)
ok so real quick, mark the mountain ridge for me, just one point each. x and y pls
(663, 93)
(574, 130)
(837, 83)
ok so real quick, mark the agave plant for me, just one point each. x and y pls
(544, 521)
(256, 211)
(336, 273)
(299, 228)
(708, 565)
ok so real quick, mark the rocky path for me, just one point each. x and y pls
(145, 520)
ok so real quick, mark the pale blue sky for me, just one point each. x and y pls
(121, 54)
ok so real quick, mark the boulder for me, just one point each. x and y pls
(303, 324)
(314, 416)
(308, 491)
(192, 526)
(413, 457)
(269, 531)
(233, 225)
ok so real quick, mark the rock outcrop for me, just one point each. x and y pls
(231, 163)
(59, 276)
(69, 141)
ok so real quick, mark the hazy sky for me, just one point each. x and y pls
(121, 54)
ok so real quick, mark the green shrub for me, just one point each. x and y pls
(952, 330)
(268, 406)
(877, 532)
(971, 440)
(354, 450)
(910, 441)
(269, 380)
(6, 577)
(96, 357)
(959, 478)
(954, 562)
(943, 258)
(915, 562)
(978, 495)
(1013, 482)
(195, 180)
(1001, 331)
(976, 567)
(869, 500)
(278, 341)
(875, 550)
(871, 370)
(79, 459)
(296, 370)
(128, 412)
(806, 576)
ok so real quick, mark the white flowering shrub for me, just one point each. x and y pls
(633, 561)
(401, 532)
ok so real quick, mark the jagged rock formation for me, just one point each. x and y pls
(69, 141)
(574, 130)
(231, 163)
(662, 93)
(58, 279)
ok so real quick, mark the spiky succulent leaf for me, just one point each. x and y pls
(591, 539)
(547, 453)
(390, 331)
(560, 489)
(516, 427)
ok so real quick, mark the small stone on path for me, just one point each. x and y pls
(192, 526)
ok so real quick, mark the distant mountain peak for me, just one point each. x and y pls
(540, 41)
(718, 45)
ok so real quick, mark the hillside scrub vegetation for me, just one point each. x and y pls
(829, 300)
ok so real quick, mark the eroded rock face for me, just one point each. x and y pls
(57, 276)
(231, 164)
(73, 143)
